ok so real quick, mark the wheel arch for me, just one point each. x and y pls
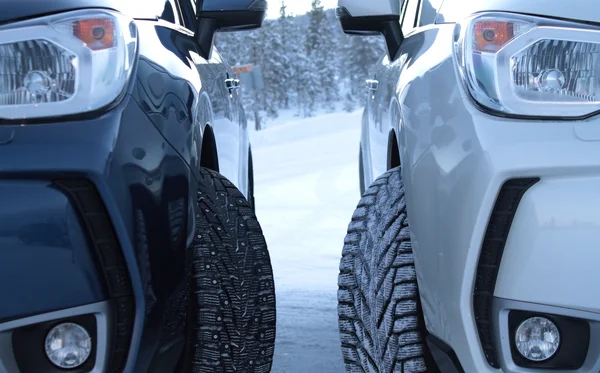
(393, 158)
(209, 156)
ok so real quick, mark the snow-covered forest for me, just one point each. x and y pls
(308, 64)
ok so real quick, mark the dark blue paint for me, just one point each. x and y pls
(140, 9)
(24, 9)
(45, 261)
(142, 156)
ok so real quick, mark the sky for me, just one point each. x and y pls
(296, 6)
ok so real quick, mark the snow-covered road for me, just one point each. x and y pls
(306, 187)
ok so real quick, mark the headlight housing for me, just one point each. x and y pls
(530, 66)
(65, 64)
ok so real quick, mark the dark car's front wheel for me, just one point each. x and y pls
(231, 327)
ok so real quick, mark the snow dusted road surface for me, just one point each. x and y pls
(306, 189)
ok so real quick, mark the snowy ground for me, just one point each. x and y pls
(306, 177)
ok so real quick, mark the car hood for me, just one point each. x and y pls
(14, 10)
(578, 10)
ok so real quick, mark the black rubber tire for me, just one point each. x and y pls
(233, 300)
(380, 319)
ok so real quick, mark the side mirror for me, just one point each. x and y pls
(373, 17)
(224, 16)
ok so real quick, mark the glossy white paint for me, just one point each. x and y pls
(583, 10)
(550, 254)
(455, 159)
(362, 8)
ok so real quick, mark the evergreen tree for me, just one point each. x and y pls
(361, 55)
(282, 52)
(307, 62)
(320, 49)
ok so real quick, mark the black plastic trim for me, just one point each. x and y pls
(490, 258)
(88, 203)
(444, 356)
(211, 22)
(388, 25)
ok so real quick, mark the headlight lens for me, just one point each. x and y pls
(65, 64)
(530, 66)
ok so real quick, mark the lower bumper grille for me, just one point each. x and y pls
(490, 258)
(93, 213)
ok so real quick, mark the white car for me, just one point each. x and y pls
(476, 245)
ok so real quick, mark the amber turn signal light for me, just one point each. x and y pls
(490, 36)
(96, 33)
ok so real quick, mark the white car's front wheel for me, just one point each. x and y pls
(380, 318)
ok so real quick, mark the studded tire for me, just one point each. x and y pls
(380, 319)
(233, 293)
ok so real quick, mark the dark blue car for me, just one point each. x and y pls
(128, 240)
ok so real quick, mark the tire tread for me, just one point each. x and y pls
(233, 286)
(381, 327)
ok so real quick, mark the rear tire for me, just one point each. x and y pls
(380, 319)
(233, 294)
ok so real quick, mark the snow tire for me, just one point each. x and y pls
(380, 318)
(233, 293)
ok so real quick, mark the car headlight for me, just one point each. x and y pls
(65, 64)
(530, 66)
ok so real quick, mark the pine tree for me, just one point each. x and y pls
(361, 55)
(307, 62)
(319, 47)
(282, 52)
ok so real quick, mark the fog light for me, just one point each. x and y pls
(537, 339)
(68, 345)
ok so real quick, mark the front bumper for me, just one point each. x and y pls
(453, 178)
(46, 261)
(67, 231)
